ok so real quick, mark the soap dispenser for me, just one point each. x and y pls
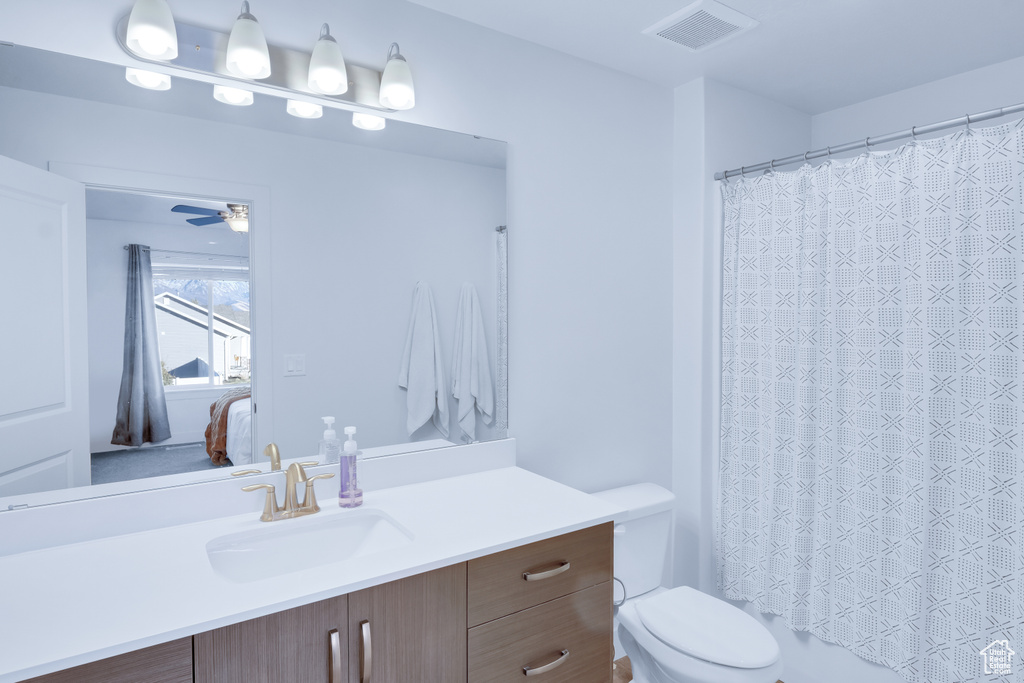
(330, 447)
(350, 495)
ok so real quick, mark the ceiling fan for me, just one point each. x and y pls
(237, 216)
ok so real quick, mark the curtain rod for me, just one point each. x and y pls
(869, 142)
(191, 253)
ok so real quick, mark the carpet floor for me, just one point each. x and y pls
(152, 461)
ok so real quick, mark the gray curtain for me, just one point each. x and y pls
(141, 407)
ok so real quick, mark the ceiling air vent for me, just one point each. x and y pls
(701, 25)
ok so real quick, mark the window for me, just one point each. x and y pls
(202, 318)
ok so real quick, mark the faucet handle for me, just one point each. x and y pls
(309, 499)
(270, 504)
(311, 463)
(242, 473)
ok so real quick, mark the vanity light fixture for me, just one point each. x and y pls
(247, 52)
(304, 110)
(233, 96)
(151, 31)
(396, 88)
(368, 121)
(149, 80)
(327, 73)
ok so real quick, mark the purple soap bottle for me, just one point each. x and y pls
(349, 494)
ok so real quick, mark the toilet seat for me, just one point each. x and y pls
(702, 626)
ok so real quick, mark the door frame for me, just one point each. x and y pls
(260, 285)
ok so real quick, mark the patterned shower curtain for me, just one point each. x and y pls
(872, 446)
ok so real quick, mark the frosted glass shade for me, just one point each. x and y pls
(151, 31)
(247, 53)
(396, 88)
(304, 110)
(233, 96)
(150, 80)
(368, 121)
(327, 72)
(238, 224)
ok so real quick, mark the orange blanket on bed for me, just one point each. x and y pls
(217, 430)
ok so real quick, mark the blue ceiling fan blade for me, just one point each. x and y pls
(199, 211)
(205, 221)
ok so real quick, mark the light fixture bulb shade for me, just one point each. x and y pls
(368, 121)
(151, 32)
(327, 72)
(304, 110)
(396, 88)
(238, 224)
(247, 53)
(150, 80)
(233, 96)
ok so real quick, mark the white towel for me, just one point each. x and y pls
(422, 373)
(471, 373)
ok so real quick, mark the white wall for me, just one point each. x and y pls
(107, 262)
(972, 92)
(347, 251)
(589, 181)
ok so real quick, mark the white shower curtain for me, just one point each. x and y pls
(872, 476)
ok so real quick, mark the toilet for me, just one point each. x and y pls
(677, 635)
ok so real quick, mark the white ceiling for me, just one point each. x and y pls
(813, 55)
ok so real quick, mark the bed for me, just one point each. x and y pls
(229, 434)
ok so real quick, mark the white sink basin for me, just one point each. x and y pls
(292, 545)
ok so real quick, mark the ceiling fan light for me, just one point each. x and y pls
(368, 121)
(304, 110)
(396, 87)
(247, 52)
(238, 223)
(233, 96)
(151, 31)
(327, 73)
(150, 80)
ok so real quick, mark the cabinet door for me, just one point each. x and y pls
(294, 645)
(409, 630)
(166, 663)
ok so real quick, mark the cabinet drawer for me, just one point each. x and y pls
(579, 624)
(497, 586)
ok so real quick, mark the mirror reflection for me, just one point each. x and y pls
(367, 288)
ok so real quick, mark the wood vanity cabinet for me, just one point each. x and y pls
(413, 629)
(544, 609)
(164, 663)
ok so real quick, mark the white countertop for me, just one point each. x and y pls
(71, 604)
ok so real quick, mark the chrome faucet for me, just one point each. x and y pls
(295, 475)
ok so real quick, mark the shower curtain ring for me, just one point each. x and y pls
(867, 143)
(913, 133)
(828, 152)
(805, 155)
(743, 171)
(967, 126)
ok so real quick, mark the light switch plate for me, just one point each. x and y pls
(294, 364)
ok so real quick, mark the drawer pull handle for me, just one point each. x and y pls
(531, 671)
(540, 576)
(365, 653)
(336, 672)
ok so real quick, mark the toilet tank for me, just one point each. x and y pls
(642, 534)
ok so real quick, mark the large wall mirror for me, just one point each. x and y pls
(369, 257)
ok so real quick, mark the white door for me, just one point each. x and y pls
(44, 374)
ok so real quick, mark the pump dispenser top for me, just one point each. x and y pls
(329, 433)
(350, 443)
(350, 495)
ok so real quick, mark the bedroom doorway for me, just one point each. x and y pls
(170, 334)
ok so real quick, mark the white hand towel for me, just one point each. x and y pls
(422, 372)
(471, 373)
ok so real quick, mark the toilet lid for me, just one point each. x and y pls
(708, 628)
